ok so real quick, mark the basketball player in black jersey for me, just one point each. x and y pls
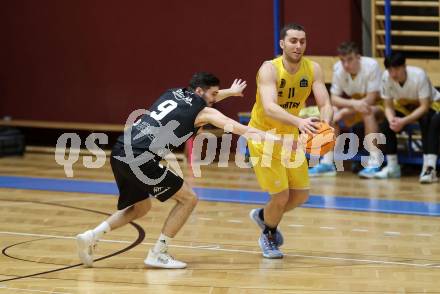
(135, 161)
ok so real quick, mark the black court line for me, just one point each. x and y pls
(140, 238)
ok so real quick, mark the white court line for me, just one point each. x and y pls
(214, 248)
(390, 233)
(207, 246)
(296, 226)
(424, 235)
(234, 221)
(327, 228)
(359, 230)
(3, 287)
(434, 265)
(205, 218)
(35, 235)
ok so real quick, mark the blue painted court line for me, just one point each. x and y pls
(61, 185)
(239, 196)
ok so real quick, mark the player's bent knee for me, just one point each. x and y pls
(186, 196)
(302, 199)
(189, 198)
(280, 199)
(192, 198)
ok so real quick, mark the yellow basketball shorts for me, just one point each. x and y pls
(275, 174)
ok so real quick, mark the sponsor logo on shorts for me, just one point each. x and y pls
(160, 190)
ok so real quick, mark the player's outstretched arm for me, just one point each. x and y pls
(236, 89)
(321, 94)
(212, 116)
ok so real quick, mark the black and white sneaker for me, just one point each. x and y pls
(428, 176)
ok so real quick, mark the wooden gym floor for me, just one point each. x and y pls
(326, 250)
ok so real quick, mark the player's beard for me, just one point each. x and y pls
(291, 59)
(206, 100)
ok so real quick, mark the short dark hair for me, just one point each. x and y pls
(347, 48)
(394, 60)
(290, 26)
(204, 80)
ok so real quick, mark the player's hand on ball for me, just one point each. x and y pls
(320, 143)
(309, 125)
(327, 125)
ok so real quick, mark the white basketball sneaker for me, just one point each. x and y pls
(162, 260)
(86, 247)
(389, 172)
(428, 176)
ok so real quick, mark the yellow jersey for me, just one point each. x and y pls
(292, 89)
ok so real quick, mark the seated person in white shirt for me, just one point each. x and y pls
(409, 97)
(355, 95)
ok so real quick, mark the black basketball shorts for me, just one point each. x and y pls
(132, 189)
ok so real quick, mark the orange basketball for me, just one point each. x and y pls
(321, 142)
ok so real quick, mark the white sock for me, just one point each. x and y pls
(161, 244)
(102, 229)
(392, 160)
(430, 160)
(328, 158)
(373, 160)
(425, 165)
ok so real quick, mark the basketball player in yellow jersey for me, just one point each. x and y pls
(283, 85)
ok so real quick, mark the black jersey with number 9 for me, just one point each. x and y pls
(168, 123)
